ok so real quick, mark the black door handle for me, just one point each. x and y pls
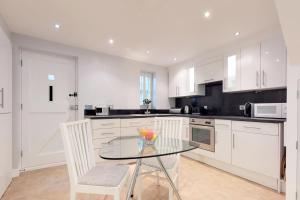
(75, 94)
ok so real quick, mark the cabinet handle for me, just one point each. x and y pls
(233, 145)
(107, 133)
(263, 78)
(251, 127)
(108, 124)
(257, 79)
(2, 97)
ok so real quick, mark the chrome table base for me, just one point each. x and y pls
(136, 174)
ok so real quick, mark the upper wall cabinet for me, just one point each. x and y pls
(208, 73)
(273, 63)
(256, 67)
(182, 82)
(232, 73)
(250, 67)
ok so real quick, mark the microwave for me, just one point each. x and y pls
(270, 110)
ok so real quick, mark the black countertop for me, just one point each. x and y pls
(235, 118)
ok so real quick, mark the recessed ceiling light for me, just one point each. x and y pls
(57, 26)
(277, 60)
(206, 14)
(267, 53)
(175, 59)
(111, 41)
(147, 52)
(237, 33)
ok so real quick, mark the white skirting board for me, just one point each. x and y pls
(270, 182)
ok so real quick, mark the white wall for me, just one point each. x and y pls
(102, 79)
(289, 15)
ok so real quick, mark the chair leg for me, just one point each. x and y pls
(117, 195)
(157, 178)
(171, 193)
(72, 195)
(139, 187)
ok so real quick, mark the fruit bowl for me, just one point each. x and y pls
(149, 136)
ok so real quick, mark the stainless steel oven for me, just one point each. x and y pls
(202, 133)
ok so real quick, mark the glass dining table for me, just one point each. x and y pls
(133, 147)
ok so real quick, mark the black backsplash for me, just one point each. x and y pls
(220, 103)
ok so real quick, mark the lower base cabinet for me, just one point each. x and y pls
(223, 140)
(256, 152)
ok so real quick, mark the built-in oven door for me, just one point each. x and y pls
(203, 137)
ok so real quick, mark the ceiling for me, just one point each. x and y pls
(165, 28)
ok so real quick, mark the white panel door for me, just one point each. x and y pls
(250, 67)
(5, 151)
(47, 81)
(256, 152)
(273, 62)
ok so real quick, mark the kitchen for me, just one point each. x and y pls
(234, 96)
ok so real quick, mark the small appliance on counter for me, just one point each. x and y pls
(270, 110)
(249, 109)
(102, 110)
(187, 109)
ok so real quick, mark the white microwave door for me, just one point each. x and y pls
(271, 111)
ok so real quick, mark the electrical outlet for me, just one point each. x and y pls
(205, 107)
(242, 107)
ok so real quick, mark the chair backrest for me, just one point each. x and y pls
(79, 151)
(170, 127)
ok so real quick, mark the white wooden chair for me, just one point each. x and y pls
(168, 127)
(84, 175)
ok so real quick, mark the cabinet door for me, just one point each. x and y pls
(231, 81)
(209, 73)
(250, 67)
(172, 83)
(182, 80)
(5, 73)
(256, 152)
(5, 151)
(223, 140)
(273, 62)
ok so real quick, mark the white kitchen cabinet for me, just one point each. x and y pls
(232, 72)
(104, 130)
(223, 140)
(273, 62)
(256, 148)
(182, 82)
(210, 72)
(5, 73)
(177, 82)
(5, 151)
(250, 67)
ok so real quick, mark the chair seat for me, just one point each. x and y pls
(168, 162)
(105, 175)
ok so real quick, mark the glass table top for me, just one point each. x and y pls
(133, 147)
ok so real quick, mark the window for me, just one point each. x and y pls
(147, 88)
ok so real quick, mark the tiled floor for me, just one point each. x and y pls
(197, 181)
